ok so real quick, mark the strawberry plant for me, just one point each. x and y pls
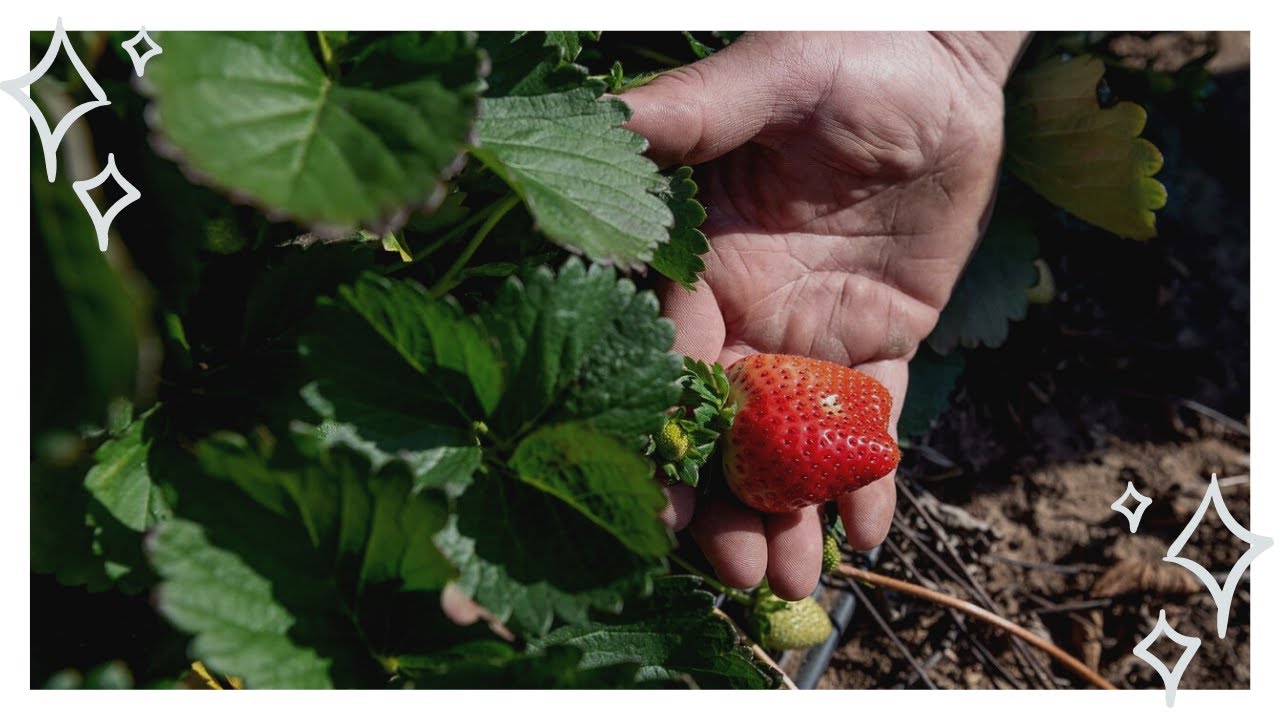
(371, 389)
(409, 369)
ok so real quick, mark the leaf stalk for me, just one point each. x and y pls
(453, 276)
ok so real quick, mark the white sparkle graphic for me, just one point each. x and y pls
(1224, 594)
(131, 46)
(50, 140)
(1171, 677)
(102, 222)
(1135, 516)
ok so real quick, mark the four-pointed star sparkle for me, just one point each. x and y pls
(51, 139)
(1225, 593)
(131, 46)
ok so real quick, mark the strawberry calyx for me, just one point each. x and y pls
(703, 413)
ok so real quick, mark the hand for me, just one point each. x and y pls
(847, 178)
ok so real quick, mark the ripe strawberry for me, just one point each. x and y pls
(782, 625)
(806, 431)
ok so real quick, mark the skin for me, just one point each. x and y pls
(847, 177)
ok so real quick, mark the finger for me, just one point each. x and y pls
(462, 610)
(701, 111)
(458, 607)
(699, 324)
(795, 552)
(679, 510)
(868, 512)
(893, 374)
(732, 538)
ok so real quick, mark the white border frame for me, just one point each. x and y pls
(20, 18)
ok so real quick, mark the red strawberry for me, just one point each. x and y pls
(806, 431)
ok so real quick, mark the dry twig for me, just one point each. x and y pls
(975, 590)
(875, 615)
(980, 649)
(978, 613)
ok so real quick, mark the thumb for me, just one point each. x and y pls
(698, 112)
(700, 330)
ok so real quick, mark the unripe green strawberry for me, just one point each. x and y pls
(783, 625)
(806, 432)
(830, 553)
(673, 442)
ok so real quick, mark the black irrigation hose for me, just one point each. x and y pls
(818, 658)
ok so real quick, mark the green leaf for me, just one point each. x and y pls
(441, 461)
(1079, 156)
(84, 326)
(531, 558)
(64, 540)
(121, 480)
(286, 290)
(544, 327)
(401, 376)
(603, 479)
(492, 665)
(993, 288)
(379, 522)
(451, 212)
(228, 605)
(59, 536)
(87, 523)
(580, 174)
(369, 398)
(681, 257)
(670, 635)
(700, 49)
(932, 378)
(440, 455)
(111, 675)
(525, 64)
(568, 42)
(630, 375)
(256, 114)
(191, 218)
(301, 571)
(433, 336)
(585, 373)
(392, 243)
(584, 340)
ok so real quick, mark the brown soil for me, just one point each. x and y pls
(1137, 372)
(1048, 541)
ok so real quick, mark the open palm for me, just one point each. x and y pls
(846, 178)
